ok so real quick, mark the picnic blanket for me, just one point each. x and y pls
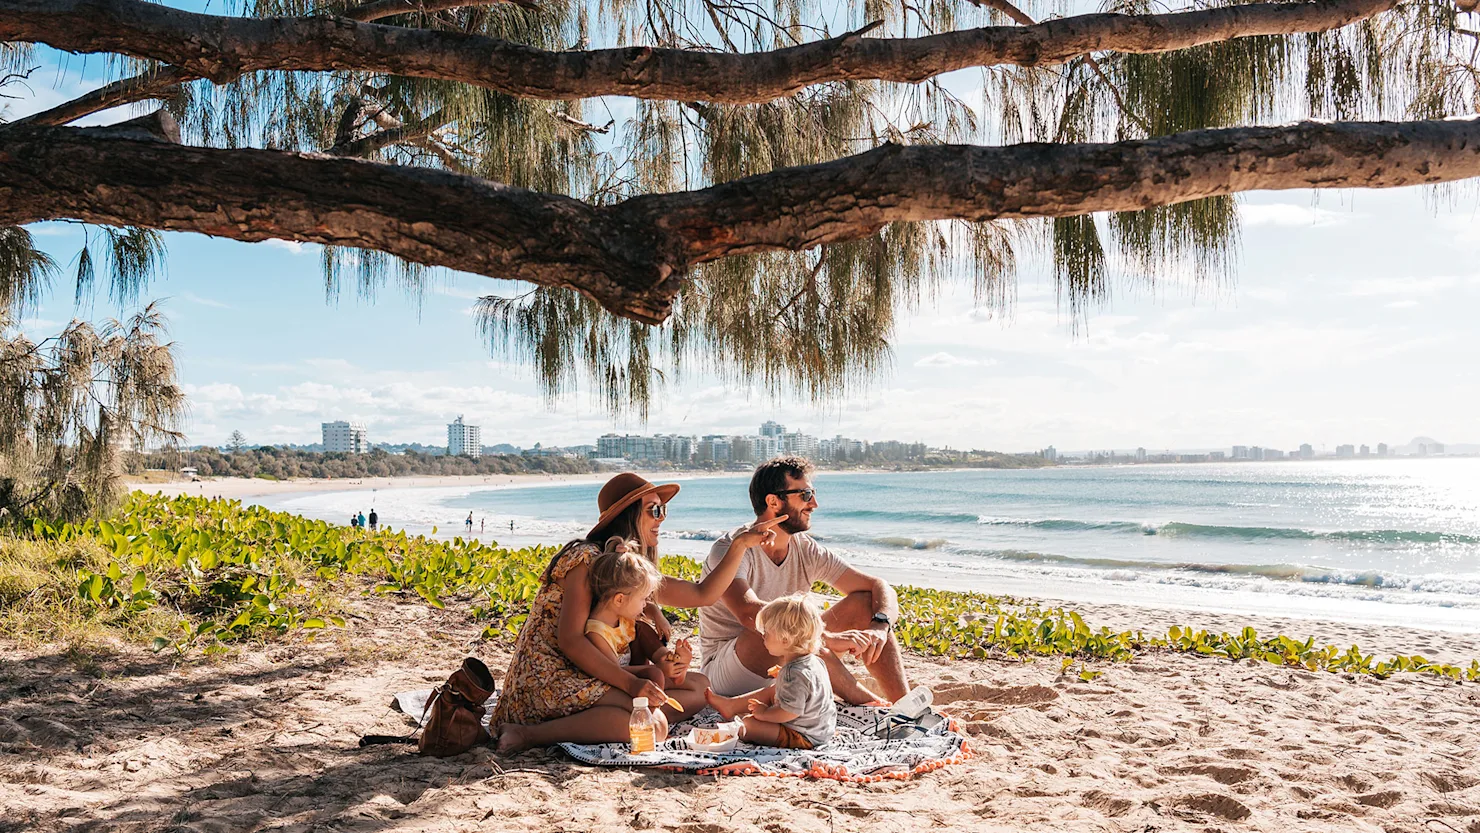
(871, 745)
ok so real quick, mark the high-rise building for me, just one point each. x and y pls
(1382, 450)
(1306, 452)
(1347, 450)
(1240, 452)
(1140, 455)
(1049, 453)
(464, 440)
(345, 437)
(772, 428)
(802, 445)
(1364, 451)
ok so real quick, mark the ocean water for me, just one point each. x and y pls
(1386, 541)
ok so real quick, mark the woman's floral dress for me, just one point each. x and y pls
(542, 684)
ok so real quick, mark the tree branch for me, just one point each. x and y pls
(222, 48)
(377, 9)
(142, 87)
(395, 135)
(633, 256)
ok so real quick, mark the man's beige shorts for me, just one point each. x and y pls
(728, 676)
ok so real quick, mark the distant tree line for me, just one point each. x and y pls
(282, 463)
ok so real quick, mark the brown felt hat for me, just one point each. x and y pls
(622, 491)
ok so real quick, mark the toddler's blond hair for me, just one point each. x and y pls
(622, 572)
(795, 620)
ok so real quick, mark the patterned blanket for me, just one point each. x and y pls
(871, 745)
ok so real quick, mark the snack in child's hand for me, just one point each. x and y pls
(773, 671)
(674, 703)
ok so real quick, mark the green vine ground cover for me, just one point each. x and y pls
(191, 573)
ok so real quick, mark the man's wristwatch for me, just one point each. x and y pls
(881, 619)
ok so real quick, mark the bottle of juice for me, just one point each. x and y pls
(644, 731)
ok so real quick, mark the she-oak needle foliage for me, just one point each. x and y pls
(816, 323)
(72, 405)
(235, 573)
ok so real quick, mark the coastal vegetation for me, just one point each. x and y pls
(193, 575)
(73, 406)
(284, 463)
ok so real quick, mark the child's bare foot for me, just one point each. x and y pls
(511, 739)
(728, 707)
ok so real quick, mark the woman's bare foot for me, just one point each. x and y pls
(511, 739)
(728, 707)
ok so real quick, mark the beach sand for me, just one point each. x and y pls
(266, 739)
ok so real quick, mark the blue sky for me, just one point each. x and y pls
(1352, 319)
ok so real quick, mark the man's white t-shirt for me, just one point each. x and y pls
(806, 562)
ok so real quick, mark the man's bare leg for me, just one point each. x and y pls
(854, 612)
(750, 647)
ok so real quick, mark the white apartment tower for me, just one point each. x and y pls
(464, 440)
(345, 437)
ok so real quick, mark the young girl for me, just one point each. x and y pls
(796, 711)
(621, 582)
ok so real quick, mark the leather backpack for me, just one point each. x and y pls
(453, 720)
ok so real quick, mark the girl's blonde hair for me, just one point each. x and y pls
(622, 572)
(795, 620)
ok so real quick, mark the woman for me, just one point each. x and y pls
(560, 687)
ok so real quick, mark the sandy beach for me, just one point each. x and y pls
(266, 739)
(118, 738)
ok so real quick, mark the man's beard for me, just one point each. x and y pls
(796, 523)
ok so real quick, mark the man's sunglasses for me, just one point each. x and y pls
(807, 494)
(659, 511)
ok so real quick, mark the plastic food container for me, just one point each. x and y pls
(722, 738)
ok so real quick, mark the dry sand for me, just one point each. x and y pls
(266, 740)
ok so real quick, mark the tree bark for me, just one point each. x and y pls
(223, 48)
(633, 256)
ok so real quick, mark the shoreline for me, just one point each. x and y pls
(1450, 644)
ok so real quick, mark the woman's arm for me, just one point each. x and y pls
(604, 647)
(676, 592)
(570, 637)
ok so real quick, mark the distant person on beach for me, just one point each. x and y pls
(374, 520)
(470, 522)
(354, 521)
(733, 652)
(361, 519)
(481, 522)
(559, 686)
(511, 526)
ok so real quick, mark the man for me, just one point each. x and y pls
(374, 520)
(734, 655)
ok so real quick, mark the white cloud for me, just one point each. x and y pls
(1290, 215)
(1409, 304)
(944, 359)
(1402, 286)
(290, 246)
(205, 302)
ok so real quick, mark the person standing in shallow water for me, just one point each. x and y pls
(374, 520)
(469, 522)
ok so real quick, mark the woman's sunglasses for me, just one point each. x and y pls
(659, 511)
(807, 494)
